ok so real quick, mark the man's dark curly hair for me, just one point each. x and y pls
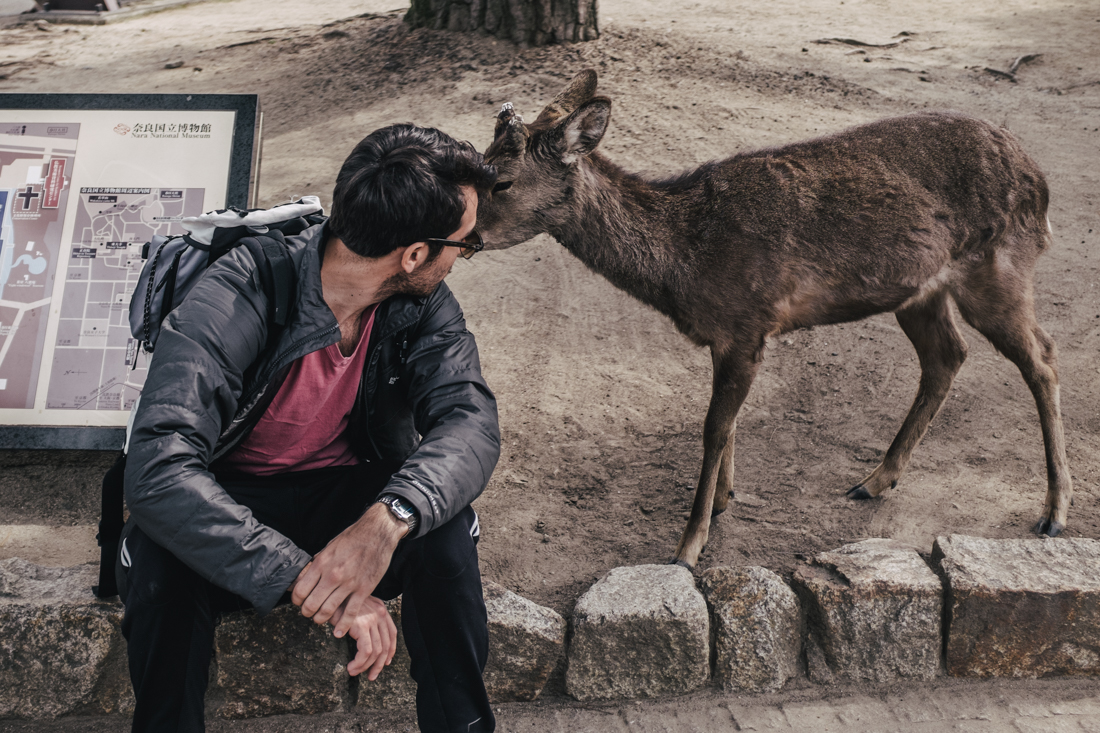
(401, 185)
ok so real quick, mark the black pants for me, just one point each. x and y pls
(171, 610)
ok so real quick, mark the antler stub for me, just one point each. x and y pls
(508, 114)
(511, 125)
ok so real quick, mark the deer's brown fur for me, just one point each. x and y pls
(903, 215)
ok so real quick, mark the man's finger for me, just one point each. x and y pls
(385, 641)
(355, 666)
(334, 601)
(376, 668)
(317, 597)
(345, 616)
(393, 638)
(336, 618)
(362, 655)
(304, 584)
(368, 653)
(379, 656)
(362, 661)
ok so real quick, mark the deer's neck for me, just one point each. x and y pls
(624, 228)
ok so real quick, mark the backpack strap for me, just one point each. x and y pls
(170, 280)
(282, 271)
(146, 332)
(277, 276)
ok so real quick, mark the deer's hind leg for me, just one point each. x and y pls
(999, 302)
(931, 327)
(724, 491)
(734, 370)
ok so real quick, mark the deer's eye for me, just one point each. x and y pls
(502, 186)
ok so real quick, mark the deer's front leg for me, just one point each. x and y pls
(734, 371)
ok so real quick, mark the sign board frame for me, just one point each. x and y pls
(108, 167)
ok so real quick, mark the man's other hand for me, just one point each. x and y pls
(375, 637)
(346, 572)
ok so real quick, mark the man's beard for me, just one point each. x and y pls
(419, 284)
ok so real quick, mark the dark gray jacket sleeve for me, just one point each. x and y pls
(194, 382)
(455, 413)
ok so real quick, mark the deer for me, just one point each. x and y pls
(905, 215)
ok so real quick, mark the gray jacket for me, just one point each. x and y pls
(423, 409)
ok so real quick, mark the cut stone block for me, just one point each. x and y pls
(61, 651)
(639, 632)
(757, 625)
(1021, 608)
(48, 545)
(282, 663)
(525, 644)
(874, 608)
(526, 641)
(394, 687)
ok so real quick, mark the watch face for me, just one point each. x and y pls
(397, 505)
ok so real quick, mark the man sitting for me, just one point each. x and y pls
(333, 466)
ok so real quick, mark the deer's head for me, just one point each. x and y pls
(538, 164)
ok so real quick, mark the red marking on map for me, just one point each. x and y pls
(55, 181)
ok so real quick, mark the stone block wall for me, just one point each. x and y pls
(872, 611)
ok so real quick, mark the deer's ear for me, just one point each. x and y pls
(583, 129)
(580, 90)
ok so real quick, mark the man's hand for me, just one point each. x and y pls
(345, 573)
(375, 637)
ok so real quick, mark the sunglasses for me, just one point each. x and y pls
(471, 244)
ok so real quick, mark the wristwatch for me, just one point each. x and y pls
(403, 510)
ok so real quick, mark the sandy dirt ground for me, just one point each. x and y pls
(601, 400)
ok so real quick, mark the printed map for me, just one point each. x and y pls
(96, 363)
(36, 166)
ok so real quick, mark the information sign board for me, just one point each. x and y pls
(85, 181)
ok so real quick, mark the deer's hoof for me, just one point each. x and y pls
(1049, 527)
(683, 564)
(859, 493)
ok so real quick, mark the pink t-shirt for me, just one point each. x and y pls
(305, 426)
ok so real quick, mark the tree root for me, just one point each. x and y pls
(1011, 73)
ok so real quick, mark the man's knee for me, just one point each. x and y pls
(153, 575)
(451, 550)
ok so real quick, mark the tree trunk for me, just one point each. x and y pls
(524, 22)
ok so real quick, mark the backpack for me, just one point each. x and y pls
(174, 264)
(172, 267)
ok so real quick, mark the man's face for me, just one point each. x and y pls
(425, 278)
